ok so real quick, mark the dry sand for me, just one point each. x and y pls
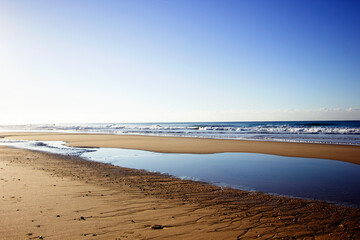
(197, 145)
(69, 198)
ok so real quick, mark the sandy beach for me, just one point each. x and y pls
(58, 197)
(69, 198)
(196, 145)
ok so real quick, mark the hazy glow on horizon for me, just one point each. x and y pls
(149, 61)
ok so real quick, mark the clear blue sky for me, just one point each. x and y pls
(167, 60)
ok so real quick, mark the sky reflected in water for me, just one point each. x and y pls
(328, 180)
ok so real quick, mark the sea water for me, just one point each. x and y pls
(332, 132)
(320, 179)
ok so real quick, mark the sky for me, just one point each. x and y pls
(187, 60)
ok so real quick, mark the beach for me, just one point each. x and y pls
(59, 197)
(345, 153)
(62, 197)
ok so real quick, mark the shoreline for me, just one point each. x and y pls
(346, 153)
(120, 202)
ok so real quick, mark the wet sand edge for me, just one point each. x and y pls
(345, 153)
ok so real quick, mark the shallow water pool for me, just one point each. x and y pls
(328, 180)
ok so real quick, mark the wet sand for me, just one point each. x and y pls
(59, 197)
(196, 145)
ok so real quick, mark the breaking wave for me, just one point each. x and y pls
(336, 132)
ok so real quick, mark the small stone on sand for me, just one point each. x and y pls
(157, 227)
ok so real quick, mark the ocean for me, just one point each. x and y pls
(329, 132)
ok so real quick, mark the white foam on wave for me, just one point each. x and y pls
(268, 132)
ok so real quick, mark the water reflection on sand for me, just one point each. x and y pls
(329, 180)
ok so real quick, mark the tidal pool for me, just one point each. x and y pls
(332, 181)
